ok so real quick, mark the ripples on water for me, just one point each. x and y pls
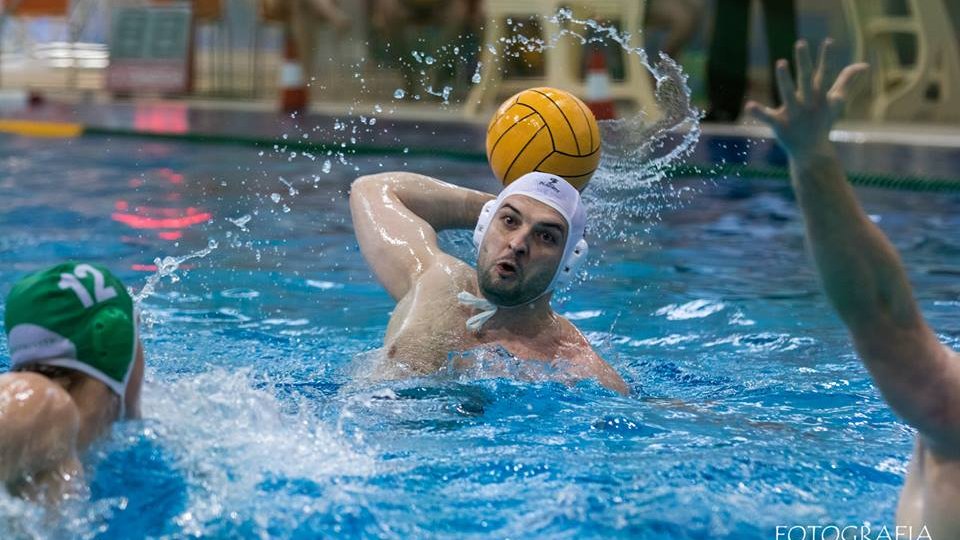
(749, 408)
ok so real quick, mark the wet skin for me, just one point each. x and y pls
(396, 216)
(48, 418)
(867, 284)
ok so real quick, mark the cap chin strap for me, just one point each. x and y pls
(487, 310)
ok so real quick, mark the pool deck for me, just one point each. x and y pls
(892, 153)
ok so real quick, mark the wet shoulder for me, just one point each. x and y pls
(35, 413)
(429, 321)
(26, 393)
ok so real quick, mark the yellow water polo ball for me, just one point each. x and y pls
(545, 130)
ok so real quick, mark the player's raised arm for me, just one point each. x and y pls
(860, 270)
(396, 217)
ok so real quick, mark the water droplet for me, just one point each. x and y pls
(429, 60)
(326, 166)
(275, 197)
(212, 244)
(399, 93)
(241, 221)
(476, 78)
(377, 108)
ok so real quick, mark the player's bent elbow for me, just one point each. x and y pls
(362, 184)
(373, 181)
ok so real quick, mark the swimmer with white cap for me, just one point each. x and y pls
(530, 241)
(76, 367)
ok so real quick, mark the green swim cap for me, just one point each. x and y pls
(73, 315)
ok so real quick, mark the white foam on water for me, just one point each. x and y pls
(227, 437)
(75, 517)
(695, 309)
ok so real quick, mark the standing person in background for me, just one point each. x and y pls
(728, 54)
(866, 282)
(426, 26)
(680, 19)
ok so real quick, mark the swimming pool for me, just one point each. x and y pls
(749, 409)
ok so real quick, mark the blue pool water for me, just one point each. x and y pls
(749, 409)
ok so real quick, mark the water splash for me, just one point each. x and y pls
(232, 439)
(167, 267)
(241, 222)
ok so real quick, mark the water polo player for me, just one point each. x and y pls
(77, 366)
(866, 282)
(529, 241)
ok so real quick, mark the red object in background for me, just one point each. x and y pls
(293, 87)
(598, 97)
(168, 222)
(35, 98)
(161, 118)
(37, 8)
(145, 217)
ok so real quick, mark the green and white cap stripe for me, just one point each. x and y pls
(77, 316)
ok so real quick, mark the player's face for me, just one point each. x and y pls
(520, 252)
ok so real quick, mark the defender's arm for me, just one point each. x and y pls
(860, 270)
(867, 284)
(396, 217)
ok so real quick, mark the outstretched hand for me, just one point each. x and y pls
(802, 123)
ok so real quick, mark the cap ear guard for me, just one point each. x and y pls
(112, 336)
(483, 222)
(571, 265)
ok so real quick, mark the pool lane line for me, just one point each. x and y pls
(889, 181)
(33, 128)
(282, 145)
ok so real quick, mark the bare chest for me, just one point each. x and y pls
(429, 328)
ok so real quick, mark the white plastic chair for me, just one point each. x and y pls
(561, 63)
(927, 89)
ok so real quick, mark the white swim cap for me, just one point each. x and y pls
(558, 194)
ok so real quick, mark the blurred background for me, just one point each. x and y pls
(421, 53)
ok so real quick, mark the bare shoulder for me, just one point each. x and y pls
(588, 362)
(25, 396)
(39, 422)
(443, 280)
(428, 321)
